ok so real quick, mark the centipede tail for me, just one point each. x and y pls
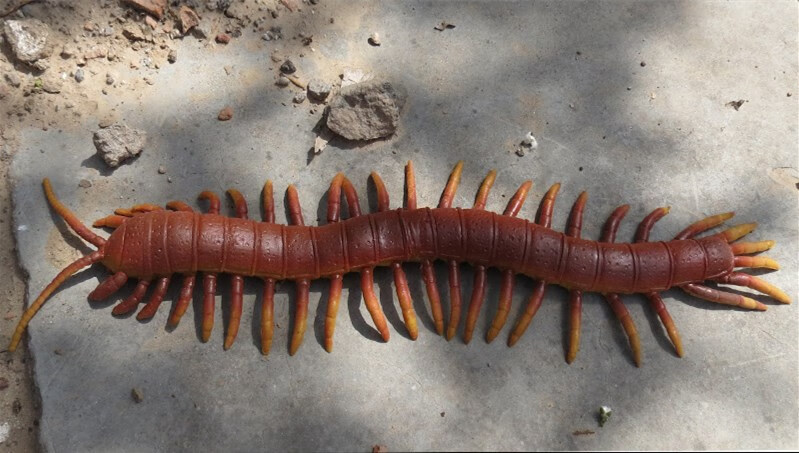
(151, 245)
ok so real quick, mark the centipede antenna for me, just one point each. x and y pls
(704, 225)
(77, 226)
(479, 285)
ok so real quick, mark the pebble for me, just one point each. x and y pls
(161, 170)
(222, 38)
(318, 89)
(282, 81)
(85, 183)
(109, 79)
(299, 98)
(13, 79)
(79, 75)
(119, 142)
(374, 39)
(173, 56)
(225, 114)
(288, 67)
(137, 395)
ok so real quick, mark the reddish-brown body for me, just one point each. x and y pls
(162, 243)
(153, 245)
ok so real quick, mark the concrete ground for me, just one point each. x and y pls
(628, 101)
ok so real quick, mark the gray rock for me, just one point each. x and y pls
(365, 111)
(282, 81)
(27, 38)
(79, 75)
(299, 98)
(173, 56)
(13, 79)
(319, 89)
(119, 142)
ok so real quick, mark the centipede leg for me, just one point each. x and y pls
(132, 301)
(367, 274)
(722, 297)
(752, 282)
(302, 285)
(762, 262)
(478, 287)
(400, 280)
(109, 286)
(184, 299)
(236, 281)
(336, 281)
(576, 297)
(447, 196)
(655, 301)
(176, 205)
(149, 309)
(268, 299)
(535, 300)
(111, 221)
(704, 225)
(508, 278)
(209, 279)
(615, 302)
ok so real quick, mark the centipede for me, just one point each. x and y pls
(154, 245)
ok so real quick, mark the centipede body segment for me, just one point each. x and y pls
(156, 246)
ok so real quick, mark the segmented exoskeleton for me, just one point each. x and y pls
(152, 244)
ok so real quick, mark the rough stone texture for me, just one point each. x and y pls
(188, 19)
(319, 89)
(154, 7)
(119, 142)
(28, 39)
(473, 92)
(365, 111)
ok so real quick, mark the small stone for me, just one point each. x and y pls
(161, 170)
(13, 79)
(222, 38)
(137, 395)
(530, 141)
(169, 179)
(27, 38)
(84, 183)
(288, 67)
(520, 152)
(604, 415)
(106, 121)
(109, 79)
(736, 104)
(3, 383)
(150, 22)
(188, 19)
(95, 52)
(225, 114)
(52, 83)
(69, 51)
(282, 81)
(133, 32)
(154, 7)
(318, 89)
(118, 142)
(374, 39)
(365, 111)
(149, 80)
(643, 63)
(299, 98)
(79, 75)
(203, 30)
(172, 56)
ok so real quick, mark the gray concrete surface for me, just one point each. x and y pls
(651, 135)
